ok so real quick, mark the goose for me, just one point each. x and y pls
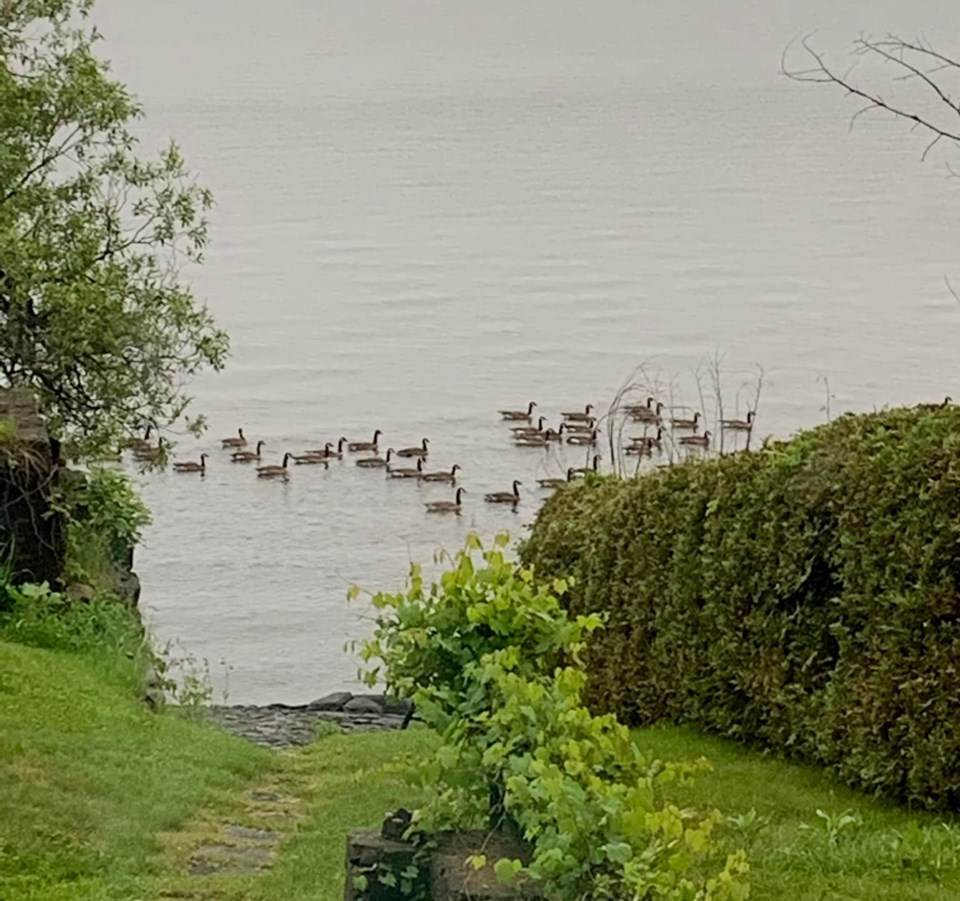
(447, 506)
(579, 428)
(247, 456)
(239, 441)
(271, 472)
(585, 416)
(310, 460)
(686, 423)
(116, 457)
(505, 497)
(583, 439)
(593, 467)
(519, 415)
(407, 473)
(529, 429)
(647, 414)
(739, 425)
(556, 483)
(365, 445)
(145, 455)
(420, 451)
(442, 476)
(639, 450)
(192, 466)
(649, 440)
(696, 440)
(376, 462)
(328, 451)
(540, 439)
(638, 409)
(143, 443)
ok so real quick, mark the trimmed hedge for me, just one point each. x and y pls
(803, 596)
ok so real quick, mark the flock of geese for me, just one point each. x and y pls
(577, 428)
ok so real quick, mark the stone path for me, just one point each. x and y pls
(285, 726)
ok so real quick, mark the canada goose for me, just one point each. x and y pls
(270, 472)
(637, 409)
(447, 506)
(540, 439)
(420, 451)
(528, 429)
(328, 451)
(556, 483)
(143, 443)
(192, 466)
(442, 476)
(519, 415)
(145, 455)
(649, 440)
(407, 473)
(365, 445)
(639, 450)
(649, 415)
(593, 467)
(583, 439)
(739, 425)
(696, 440)
(585, 416)
(686, 423)
(310, 460)
(248, 456)
(239, 441)
(376, 462)
(505, 497)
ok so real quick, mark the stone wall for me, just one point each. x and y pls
(32, 533)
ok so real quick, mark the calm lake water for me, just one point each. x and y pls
(431, 210)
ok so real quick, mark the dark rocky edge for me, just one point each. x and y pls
(285, 726)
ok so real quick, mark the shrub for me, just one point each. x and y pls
(804, 596)
(491, 660)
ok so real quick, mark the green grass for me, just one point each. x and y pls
(101, 799)
(887, 854)
(89, 777)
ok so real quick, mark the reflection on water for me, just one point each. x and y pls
(429, 211)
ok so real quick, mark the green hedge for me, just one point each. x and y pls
(803, 596)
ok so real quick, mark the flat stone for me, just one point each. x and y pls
(362, 705)
(254, 855)
(333, 701)
(264, 796)
(253, 835)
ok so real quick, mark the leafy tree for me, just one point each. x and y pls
(94, 314)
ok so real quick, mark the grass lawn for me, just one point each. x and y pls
(101, 799)
(88, 776)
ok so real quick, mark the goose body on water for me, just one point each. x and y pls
(328, 451)
(505, 497)
(442, 476)
(143, 443)
(583, 439)
(420, 451)
(239, 441)
(447, 506)
(375, 462)
(192, 466)
(739, 425)
(365, 445)
(649, 415)
(557, 482)
(248, 456)
(585, 416)
(311, 460)
(696, 440)
(407, 473)
(519, 415)
(273, 472)
(593, 467)
(687, 423)
(529, 429)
